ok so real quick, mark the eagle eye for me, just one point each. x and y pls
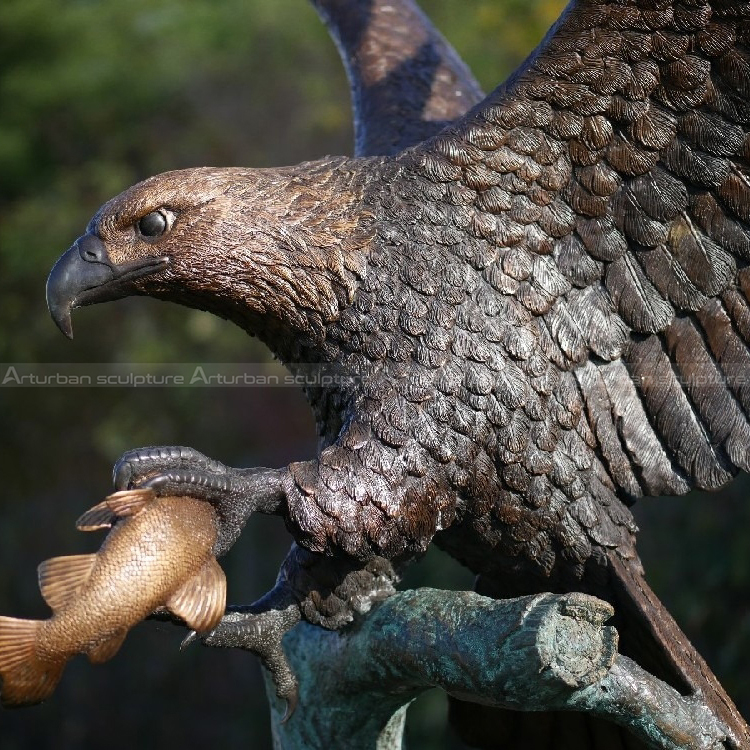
(153, 224)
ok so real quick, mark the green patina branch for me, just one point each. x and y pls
(536, 653)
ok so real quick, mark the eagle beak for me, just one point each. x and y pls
(85, 275)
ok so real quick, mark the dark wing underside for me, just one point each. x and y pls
(611, 171)
(407, 82)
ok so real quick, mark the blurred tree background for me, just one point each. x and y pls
(97, 94)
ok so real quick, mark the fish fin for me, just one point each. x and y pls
(118, 505)
(98, 517)
(25, 678)
(107, 649)
(201, 601)
(60, 578)
(129, 502)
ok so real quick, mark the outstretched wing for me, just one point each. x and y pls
(407, 82)
(612, 173)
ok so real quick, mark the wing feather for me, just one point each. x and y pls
(406, 81)
(619, 153)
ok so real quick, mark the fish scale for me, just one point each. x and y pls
(159, 553)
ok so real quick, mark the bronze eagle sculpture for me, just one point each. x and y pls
(538, 309)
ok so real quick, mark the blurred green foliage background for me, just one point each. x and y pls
(95, 95)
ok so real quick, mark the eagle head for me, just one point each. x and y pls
(252, 245)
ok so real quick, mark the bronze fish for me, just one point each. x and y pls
(159, 553)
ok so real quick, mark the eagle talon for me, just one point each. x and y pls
(189, 639)
(260, 632)
(291, 706)
(153, 466)
(199, 484)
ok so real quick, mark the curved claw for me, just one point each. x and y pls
(291, 705)
(189, 639)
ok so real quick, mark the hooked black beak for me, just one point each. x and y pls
(85, 275)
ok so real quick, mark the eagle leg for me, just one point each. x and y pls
(178, 470)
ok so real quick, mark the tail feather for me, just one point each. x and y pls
(653, 639)
(25, 678)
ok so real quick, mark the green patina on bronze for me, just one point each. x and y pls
(537, 653)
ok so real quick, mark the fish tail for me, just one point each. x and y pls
(26, 679)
